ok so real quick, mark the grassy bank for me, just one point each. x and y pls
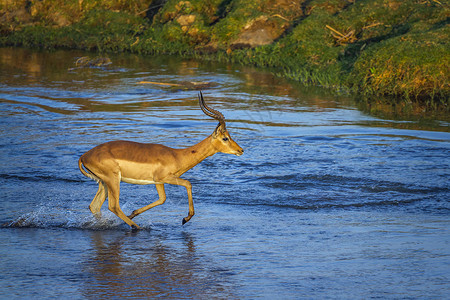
(395, 49)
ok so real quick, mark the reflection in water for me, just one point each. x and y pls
(410, 115)
(27, 62)
(116, 88)
(23, 68)
(124, 265)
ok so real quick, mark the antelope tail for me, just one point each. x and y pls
(87, 172)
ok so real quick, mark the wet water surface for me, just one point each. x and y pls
(326, 202)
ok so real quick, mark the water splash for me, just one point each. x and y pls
(43, 217)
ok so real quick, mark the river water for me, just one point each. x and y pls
(326, 202)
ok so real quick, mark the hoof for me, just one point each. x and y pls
(183, 221)
(134, 228)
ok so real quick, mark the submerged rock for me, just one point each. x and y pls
(87, 62)
(183, 85)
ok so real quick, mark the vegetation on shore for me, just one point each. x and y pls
(395, 49)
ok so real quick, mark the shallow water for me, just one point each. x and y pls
(326, 202)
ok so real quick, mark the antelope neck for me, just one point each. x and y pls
(197, 153)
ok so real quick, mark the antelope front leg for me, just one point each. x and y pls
(188, 186)
(191, 203)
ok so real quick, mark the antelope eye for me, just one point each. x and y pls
(225, 139)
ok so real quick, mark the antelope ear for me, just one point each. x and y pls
(219, 129)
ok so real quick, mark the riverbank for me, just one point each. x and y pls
(394, 49)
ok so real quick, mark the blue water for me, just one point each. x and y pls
(326, 202)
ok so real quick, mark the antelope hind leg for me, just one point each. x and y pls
(99, 199)
(113, 203)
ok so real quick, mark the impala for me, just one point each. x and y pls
(137, 163)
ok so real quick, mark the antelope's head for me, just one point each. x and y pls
(221, 139)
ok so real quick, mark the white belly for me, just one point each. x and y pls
(136, 173)
(138, 181)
